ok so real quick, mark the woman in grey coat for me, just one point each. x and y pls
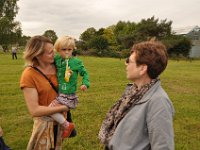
(142, 119)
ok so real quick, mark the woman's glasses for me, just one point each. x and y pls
(128, 61)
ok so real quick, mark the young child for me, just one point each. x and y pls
(68, 68)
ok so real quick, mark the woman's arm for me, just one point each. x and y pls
(36, 110)
(160, 124)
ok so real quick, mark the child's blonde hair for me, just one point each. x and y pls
(64, 42)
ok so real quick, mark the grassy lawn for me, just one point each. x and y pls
(181, 80)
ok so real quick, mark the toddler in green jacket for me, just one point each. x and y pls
(68, 68)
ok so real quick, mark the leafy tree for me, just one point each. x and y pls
(100, 43)
(10, 30)
(51, 34)
(126, 41)
(124, 28)
(152, 28)
(109, 35)
(125, 34)
(178, 45)
(88, 34)
(100, 32)
(120, 28)
(23, 40)
(81, 45)
(8, 9)
(120, 37)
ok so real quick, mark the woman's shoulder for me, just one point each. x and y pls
(27, 70)
(27, 77)
(28, 74)
(160, 100)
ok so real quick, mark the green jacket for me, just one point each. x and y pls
(77, 67)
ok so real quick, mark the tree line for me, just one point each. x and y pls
(117, 40)
(113, 41)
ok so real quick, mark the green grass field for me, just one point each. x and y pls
(181, 80)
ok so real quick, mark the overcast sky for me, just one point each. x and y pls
(72, 17)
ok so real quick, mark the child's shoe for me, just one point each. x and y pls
(68, 130)
(73, 133)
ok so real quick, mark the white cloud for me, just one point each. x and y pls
(71, 17)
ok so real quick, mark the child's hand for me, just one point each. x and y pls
(70, 71)
(83, 88)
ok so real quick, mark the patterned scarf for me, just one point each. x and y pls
(117, 112)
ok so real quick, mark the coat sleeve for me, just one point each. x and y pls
(83, 72)
(160, 124)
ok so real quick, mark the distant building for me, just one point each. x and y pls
(193, 33)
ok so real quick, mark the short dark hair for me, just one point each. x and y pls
(153, 54)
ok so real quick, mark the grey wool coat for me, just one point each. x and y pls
(148, 125)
